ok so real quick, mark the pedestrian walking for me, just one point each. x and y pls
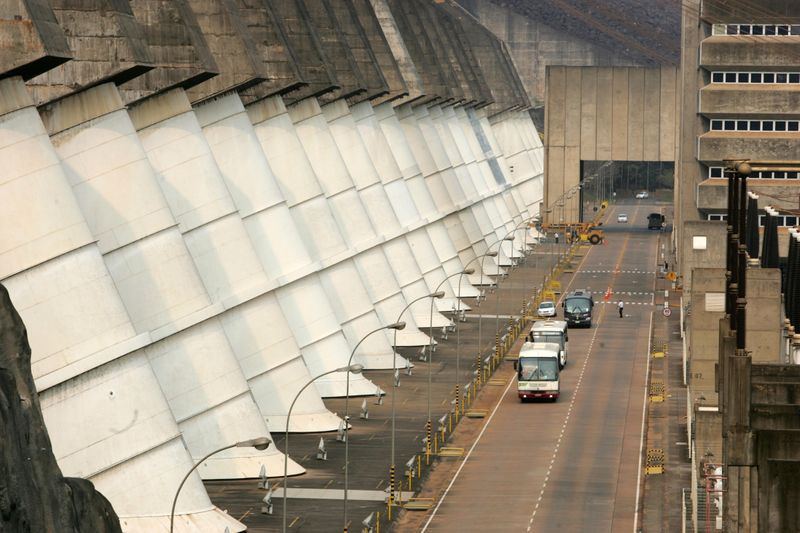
(620, 306)
(556, 237)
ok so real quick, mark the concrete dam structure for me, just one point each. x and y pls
(208, 203)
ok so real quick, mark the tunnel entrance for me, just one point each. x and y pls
(624, 182)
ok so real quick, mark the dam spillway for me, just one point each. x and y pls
(206, 206)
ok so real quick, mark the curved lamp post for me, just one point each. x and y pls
(439, 294)
(355, 369)
(496, 288)
(458, 330)
(430, 358)
(259, 443)
(509, 237)
(395, 326)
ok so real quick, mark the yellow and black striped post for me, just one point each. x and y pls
(391, 492)
(458, 400)
(428, 442)
(478, 367)
(497, 346)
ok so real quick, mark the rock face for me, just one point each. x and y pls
(34, 496)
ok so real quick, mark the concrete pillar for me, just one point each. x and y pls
(153, 266)
(106, 414)
(261, 338)
(304, 302)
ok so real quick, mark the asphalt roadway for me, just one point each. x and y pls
(574, 465)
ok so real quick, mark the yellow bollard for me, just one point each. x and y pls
(378, 521)
(419, 466)
(458, 401)
(450, 422)
(428, 442)
(391, 493)
(436, 442)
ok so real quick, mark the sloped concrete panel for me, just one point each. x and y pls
(284, 152)
(84, 341)
(384, 290)
(49, 228)
(115, 419)
(107, 167)
(73, 314)
(319, 335)
(253, 187)
(197, 196)
(157, 281)
(272, 364)
(330, 169)
(355, 311)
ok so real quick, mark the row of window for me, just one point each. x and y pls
(783, 220)
(755, 29)
(754, 125)
(755, 77)
(717, 172)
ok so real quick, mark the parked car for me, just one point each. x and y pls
(546, 309)
(642, 194)
(622, 218)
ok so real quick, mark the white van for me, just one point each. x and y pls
(551, 331)
(538, 371)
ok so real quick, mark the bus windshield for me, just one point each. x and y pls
(549, 336)
(538, 369)
(577, 305)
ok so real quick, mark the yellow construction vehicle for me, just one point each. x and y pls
(584, 231)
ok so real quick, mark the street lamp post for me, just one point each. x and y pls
(395, 326)
(458, 329)
(496, 288)
(509, 237)
(259, 443)
(355, 369)
(430, 358)
(392, 470)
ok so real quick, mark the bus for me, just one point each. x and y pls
(655, 221)
(551, 331)
(578, 307)
(538, 371)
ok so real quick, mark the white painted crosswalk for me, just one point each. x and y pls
(618, 272)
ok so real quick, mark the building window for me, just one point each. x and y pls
(784, 221)
(754, 125)
(717, 217)
(778, 30)
(718, 172)
(755, 77)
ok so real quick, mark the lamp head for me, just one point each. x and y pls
(508, 238)
(437, 294)
(355, 368)
(493, 253)
(259, 443)
(469, 271)
(396, 325)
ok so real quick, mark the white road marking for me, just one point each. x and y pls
(566, 419)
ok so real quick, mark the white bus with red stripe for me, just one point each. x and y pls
(538, 371)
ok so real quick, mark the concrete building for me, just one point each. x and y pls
(207, 204)
(739, 79)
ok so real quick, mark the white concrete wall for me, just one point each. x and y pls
(239, 252)
(103, 406)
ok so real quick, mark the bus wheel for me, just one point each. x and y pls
(594, 239)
